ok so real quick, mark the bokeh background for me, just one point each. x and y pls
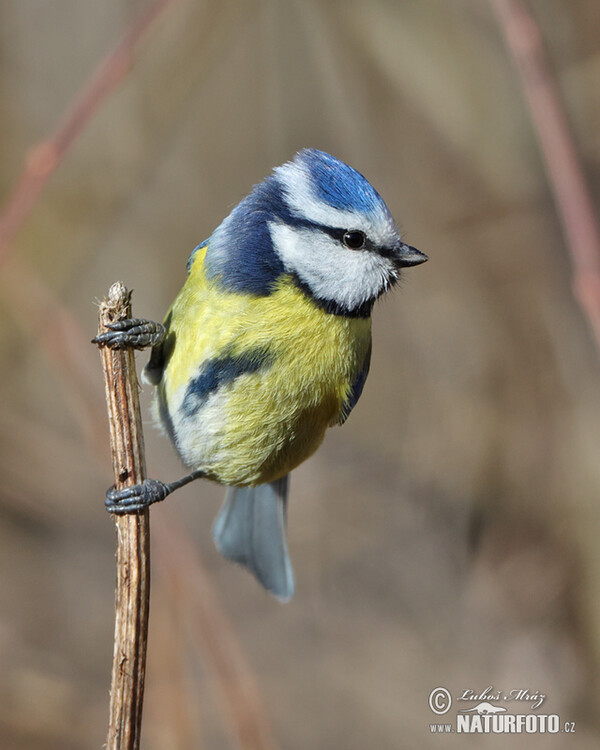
(448, 534)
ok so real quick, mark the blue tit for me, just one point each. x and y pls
(267, 345)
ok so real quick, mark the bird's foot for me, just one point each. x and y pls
(134, 333)
(136, 498)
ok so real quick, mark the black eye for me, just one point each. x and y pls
(354, 239)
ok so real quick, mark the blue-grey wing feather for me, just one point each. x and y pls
(357, 388)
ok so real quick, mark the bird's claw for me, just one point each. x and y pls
(136, 498)
(133, 333)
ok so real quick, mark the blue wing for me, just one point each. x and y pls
(357, 388)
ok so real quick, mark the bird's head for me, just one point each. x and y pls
(319, 221)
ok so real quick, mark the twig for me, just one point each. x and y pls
(571, 193)
(44, 158)
(133, 534)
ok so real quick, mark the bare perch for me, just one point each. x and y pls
(133, 534)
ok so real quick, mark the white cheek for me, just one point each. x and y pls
(333, 273)
(301, 201)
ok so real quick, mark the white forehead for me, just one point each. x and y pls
(302, 200)
(331, 271)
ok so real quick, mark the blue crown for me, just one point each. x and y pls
(339, 185)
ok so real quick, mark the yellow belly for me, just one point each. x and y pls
(263, 424)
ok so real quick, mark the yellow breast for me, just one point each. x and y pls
(260, 424)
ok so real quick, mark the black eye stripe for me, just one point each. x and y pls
(338, 234)
(334, 232)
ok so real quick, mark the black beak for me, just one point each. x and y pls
(406, 255)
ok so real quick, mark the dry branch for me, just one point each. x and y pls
(133, 534)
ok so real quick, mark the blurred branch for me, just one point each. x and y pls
(132, 598)
(571, 194)
(198, 602)
(44, 158)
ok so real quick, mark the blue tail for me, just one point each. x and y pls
(250, 530)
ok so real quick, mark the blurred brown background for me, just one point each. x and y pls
(448, 534)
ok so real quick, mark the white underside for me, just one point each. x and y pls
(199, 437)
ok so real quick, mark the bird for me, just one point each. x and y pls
(267, 345)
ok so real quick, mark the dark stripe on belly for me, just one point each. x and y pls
(221, 371)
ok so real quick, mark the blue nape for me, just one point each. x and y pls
(240, 251)
(221, 371)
